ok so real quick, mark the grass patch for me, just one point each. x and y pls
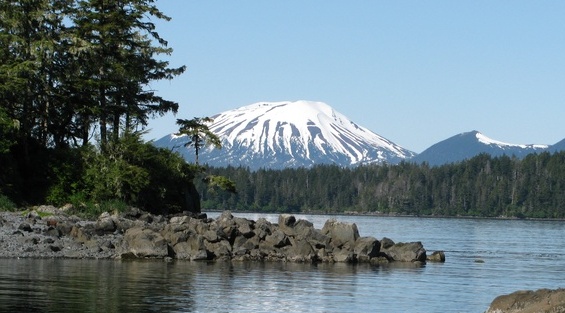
(91, 210)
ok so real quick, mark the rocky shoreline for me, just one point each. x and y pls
(49, 232)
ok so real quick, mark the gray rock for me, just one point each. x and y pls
(52, 231)
(220, 250)
(344, 255)
(263, 228)
(406, 252)
(300, 250)
(179, 219)
(105, 224)
(542, 300)
(244, 227)
(277, 239)
(144, 243)
(80, 234)
(192, 249)
(25, 227)
(341, 233)
(437, 256)
(366, 248)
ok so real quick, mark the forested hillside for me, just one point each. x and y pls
(482, 186)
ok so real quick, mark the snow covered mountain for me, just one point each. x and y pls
(469, 144)
(285, 134)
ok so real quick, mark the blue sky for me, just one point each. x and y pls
(414, 72)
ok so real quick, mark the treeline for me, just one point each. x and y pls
(483, 186)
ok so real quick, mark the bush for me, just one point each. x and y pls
(6, 204)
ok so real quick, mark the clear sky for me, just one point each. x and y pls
(415, 72)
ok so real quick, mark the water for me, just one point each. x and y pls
(485, 258)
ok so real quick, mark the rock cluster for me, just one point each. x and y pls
(136, 234)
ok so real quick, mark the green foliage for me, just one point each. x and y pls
(220, 182)
(6, 204)
(66, 176)
(482, 186)
(139, 174)
(113, 175)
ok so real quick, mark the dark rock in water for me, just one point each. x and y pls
(542, 300)
(405, 252)
(367, 248)
(437, 256)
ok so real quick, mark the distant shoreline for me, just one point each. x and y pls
(350, 213)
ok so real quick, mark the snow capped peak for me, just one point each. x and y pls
(296, 133)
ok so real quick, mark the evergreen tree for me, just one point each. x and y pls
(198, 134)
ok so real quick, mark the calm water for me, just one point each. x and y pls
(513, 255)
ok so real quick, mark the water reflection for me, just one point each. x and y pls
(150, 286)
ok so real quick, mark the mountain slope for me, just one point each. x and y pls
(467, 145)
(560, 146)
(290, 134)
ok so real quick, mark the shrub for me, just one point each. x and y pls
(6, 204)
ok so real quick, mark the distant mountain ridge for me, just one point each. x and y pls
(278, 135)
(467, 145)
(291, 134)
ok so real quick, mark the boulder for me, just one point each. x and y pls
(192, 249)
(437, 256)
(25, 227)
(344, 255)
(179, 219)
(64, 228)
(366, 248)
(143, 243)
(405, 252)
(263, 228)
(244, 227)
(52, 231)
(105, 224)
(220, 250)
(542, 300)
(341, 233)
(243, 245)
(80, 234)
(286, 223)
(276, 240)
(299, 250)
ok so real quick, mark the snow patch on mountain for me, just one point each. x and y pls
(488, 141)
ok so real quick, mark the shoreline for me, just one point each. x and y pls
(351, 213)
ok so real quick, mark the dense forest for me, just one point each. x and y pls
(483, 186)
(75, 97)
